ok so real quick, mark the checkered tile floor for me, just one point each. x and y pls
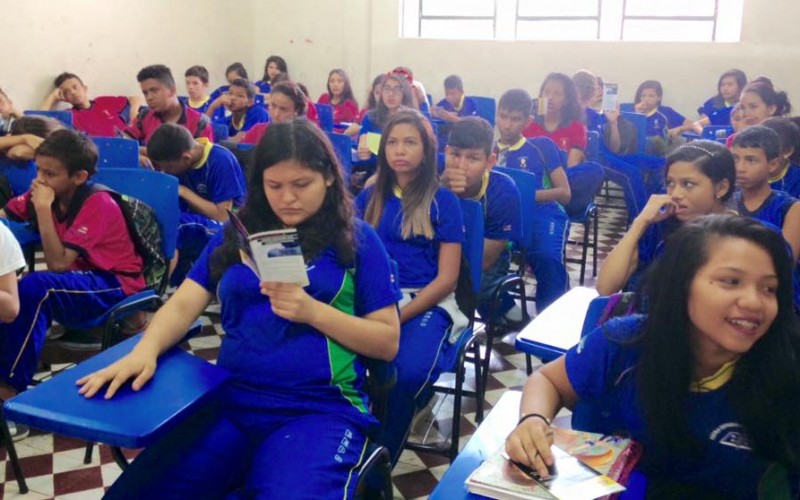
(53, 465)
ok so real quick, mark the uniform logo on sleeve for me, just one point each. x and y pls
(82, 230)
(563, 143)
(202, 189)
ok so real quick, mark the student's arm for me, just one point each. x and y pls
(560, 191)
(791, 229)
(168, 327)
(216, 211)
(7, 142)
(545, 392)
(51, 100)
(9, 298)
(363, 148)
(135, 103)
(222, 100)
(688, 125)
(56, 255)
(613, 142)
(575, 156)
(623, 260)
(443, 285)
(491, 251)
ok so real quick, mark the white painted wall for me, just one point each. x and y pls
(107, 42)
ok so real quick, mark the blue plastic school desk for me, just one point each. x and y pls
(182, 384)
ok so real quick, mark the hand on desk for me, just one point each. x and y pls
(529, 444)
(140, 364)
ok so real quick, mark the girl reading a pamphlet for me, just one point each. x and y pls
(422, 227)
(707, 382)
(291, 421)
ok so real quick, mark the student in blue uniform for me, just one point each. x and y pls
(422, 228)
(196, 78)
(456, 104)
(273, 67)
(396, 93)
(287, 424)
(648, 101)
(700, 179)
(692, 381)
(232, 72)
(717, 110)
(244, 112)
(540, 156)
(756, 151)
(786, 177)
(211, 183)
(468, 173)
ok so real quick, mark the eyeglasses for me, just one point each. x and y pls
(393, 90)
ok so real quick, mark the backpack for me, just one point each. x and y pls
(145, 233)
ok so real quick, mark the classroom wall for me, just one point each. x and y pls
(107, 42)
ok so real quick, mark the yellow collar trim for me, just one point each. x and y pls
(460, 103)
(781, 174)
(397, 191)
(716, 380)
(514, 147)
(197, 104)
(652, 113)
(484, 187)
(207, 145)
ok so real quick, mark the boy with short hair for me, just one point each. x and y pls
(468, 173)
(158, 87)
(211, 183)
(7, 113)
(539, 156)
(101, 116)
(196, 78)
(455, 104)
(91, 260)
(756, 152)
(239, 100)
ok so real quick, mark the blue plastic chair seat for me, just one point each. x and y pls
(128, 302)
(131, 419)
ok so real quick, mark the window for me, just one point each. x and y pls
(628, 20)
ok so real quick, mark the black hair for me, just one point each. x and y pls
(40, 126)
(764, 376)
(380, 115)
(763, 87)
(711, 158)
(372, 103)
(516, 100)
(789, 133)
(169, 142)
(472, 132)
(303, 142)
(347, 91)
(76, 151)
(157, 72)
(238, 68)
(245, 84)
(197, 71)
(293, 92)
(454, 82)
(279, 62)
(741, 81)
(649, 84)
(63, 77)
(572, 111)
(759, 137)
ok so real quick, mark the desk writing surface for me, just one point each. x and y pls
(559, 326)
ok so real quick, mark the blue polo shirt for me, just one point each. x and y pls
(657, 124)
(789, 182)
(263, 87)
(468, 107)
(674, 119)
(773, 210)
(255, 114)
(538, 155)
(217, 177)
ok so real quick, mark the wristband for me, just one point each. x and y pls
(534, 415)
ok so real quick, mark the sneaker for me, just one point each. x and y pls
(424, 418)
(79, 340)
(18, 431)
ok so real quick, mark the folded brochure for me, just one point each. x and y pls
(587, 466)
(273, 256)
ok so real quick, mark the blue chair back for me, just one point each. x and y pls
(156, 189)
(220, 131)
(639, 121)
(526, 185)
(584, 180)
(627, 107)
(258, 100)
(473, 244)
(325, 116)
(486, 106)
(593, 146)
(64, 116)
(343, 145)
(116, 152)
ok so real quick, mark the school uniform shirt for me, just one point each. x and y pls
(657, 124)
(263, 87)
(717, 110)
(572, 136)
(500, 200)
(97, 230)
(143, 127)
(367, 125)
(103, 117)
(788, 181)
(773, 210)
(466, 107)
(216, 177)
(346, 111)
(11, 258)
(255, 133)
(200, 106)
(674, 119)
(417, 258)
(254, 114)
(602, 370)
(538, 156)
(276, 364)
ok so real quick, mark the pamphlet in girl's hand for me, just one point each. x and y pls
(273, 256)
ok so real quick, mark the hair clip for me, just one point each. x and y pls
(701, 148)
